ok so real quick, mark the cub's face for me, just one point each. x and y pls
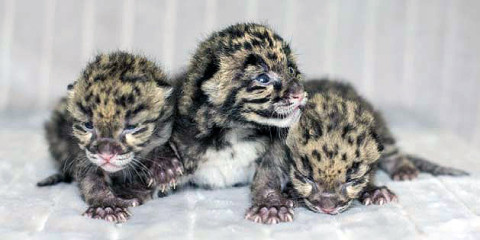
(117, 118)
(252, 77)
(333, 158)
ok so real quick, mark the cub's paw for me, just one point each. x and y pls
(405, 172)
(122, 202)
(271, 214)
(114, 201)
(378, 196)
(165, 173)
(111, 214)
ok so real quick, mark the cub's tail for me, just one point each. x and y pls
(54, 179)
(426, 166)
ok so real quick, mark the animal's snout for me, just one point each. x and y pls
(108, 149)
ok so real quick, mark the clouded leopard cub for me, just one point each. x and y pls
(331, 157)
(241, 89)
(399, 165)
(110, 133)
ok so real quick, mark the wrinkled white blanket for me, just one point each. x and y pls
(428, 208)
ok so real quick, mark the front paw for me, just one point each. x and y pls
(114, 201)
(165, 173)
(111, 214)
(378, 196)
(271, 214)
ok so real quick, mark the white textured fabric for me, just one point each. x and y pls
(428, 208)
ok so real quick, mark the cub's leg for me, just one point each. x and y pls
(104, 204)
(270, 206)
(392, 161)
(62, 146)
(398, 166)
(165, 168)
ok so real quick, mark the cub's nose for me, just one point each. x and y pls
(296, 92)
(295, 89)
(328, 205)
(108, 148)
(107, 156)
(328, 210)
(297, 96)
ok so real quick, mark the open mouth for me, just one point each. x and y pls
(115, 164)
(286, 110)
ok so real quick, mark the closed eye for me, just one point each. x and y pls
(356, 181)
(131, 127)
(308, 180)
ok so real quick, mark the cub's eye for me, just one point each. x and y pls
(291, 70)
(130, 127)
(263, 79)
(88, 125)
(310, 181)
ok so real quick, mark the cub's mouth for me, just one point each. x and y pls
(290, 107)
(285, 112)
(327, 210)
(111, 163)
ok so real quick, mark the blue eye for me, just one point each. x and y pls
(263, 78)
(130, 127)
(88, 125)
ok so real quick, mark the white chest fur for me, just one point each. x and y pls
(233, 164)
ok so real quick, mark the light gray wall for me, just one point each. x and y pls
(421, 57)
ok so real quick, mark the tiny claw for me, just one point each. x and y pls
(128, 213)
(290, 210)
(110, 218)
(150, 182)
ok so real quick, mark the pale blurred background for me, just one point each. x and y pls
(415, 58)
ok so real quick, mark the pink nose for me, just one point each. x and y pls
(107, 156)
(297, 96)
(328, 210)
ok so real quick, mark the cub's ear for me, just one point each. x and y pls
(163, 93)
(70, 86)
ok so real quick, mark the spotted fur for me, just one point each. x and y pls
(334, 148)
(120, 106)
(398, 164)
(241, 89)
(331, 156)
